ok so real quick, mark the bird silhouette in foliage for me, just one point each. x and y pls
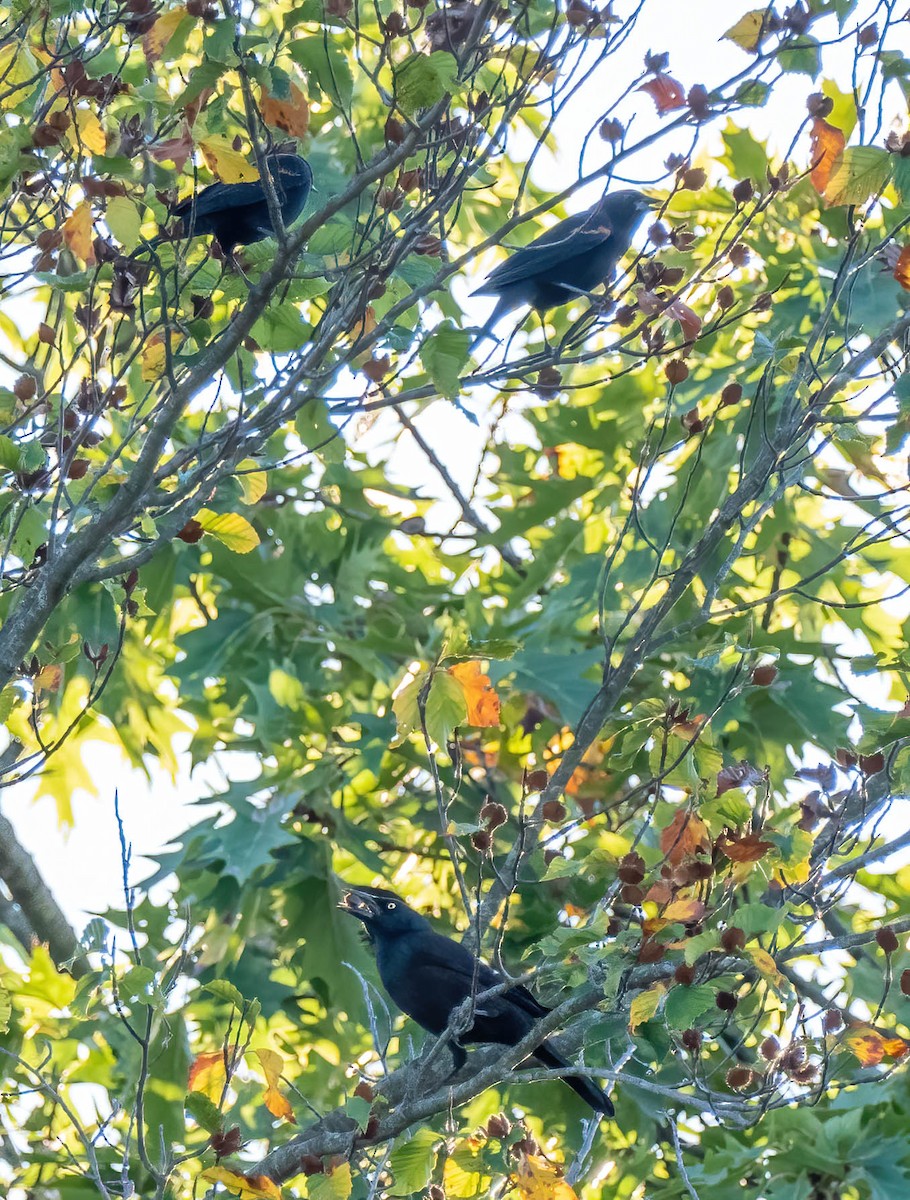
(568, 261)
(238, 213)
(428, 976)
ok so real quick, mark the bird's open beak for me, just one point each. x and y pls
(358, 905)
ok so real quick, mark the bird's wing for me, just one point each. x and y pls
(442, 954)
(577, 235)
(219, 197)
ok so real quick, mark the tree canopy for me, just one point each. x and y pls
(612, 679)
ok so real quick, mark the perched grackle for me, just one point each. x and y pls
(238, 213)
(569, 260)
(428, 976)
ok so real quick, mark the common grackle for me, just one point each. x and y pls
(429, 975)
(238, 213)
(569, 260)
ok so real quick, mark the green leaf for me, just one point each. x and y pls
(32, 456)
(732, 810)
(443, 354)
(230, 529)
(412, 1163)
(281, 329)
(359, 1109)
(204, 1112)
(684, 1005)
(423, 79)
(124, 221)
(6, 1008)
(804, 57)
(757, 919)
(902, 179)
(136, 985)
(226, 991)
(843, 114)
(858, 173)
(286, 689)
(446, 708)
(9, 453)
(327, 64)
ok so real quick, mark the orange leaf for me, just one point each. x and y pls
(665, 91)
(870, 1046)
(867, 1045)
(660, 892)
(479, 694)
(207, 1075)
(684, 910)
(902, 274)
(277, 1104)
(292, 115)
(684, 837)
(78, 234)
(748, 849)
(827, 143)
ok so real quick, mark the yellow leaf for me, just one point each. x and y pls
(161, 32)
(253, 482)
(230, 529)
(461, 1179)
(272, 1064)
(88, 132)
(480, 697)
(336, 1184)
(154, 358)
(17, 68)
(766, 965)
(227, 163)
(49, 678)
(645, 1005)
(292, 115)
(749, 30)
(207, 1075)
(77, 233)
(248, 1187)
(539, 1179)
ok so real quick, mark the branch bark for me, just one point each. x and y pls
(37, 905)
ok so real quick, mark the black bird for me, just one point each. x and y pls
(569, 260)
(428, 976)
(238, 213)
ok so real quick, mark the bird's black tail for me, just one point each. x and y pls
(586, 1088)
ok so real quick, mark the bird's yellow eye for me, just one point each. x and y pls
(391, 904)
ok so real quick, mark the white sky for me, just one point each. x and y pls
(83, 866)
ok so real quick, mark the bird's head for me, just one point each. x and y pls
(291, 170)
(381, 911)
(628, 201)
